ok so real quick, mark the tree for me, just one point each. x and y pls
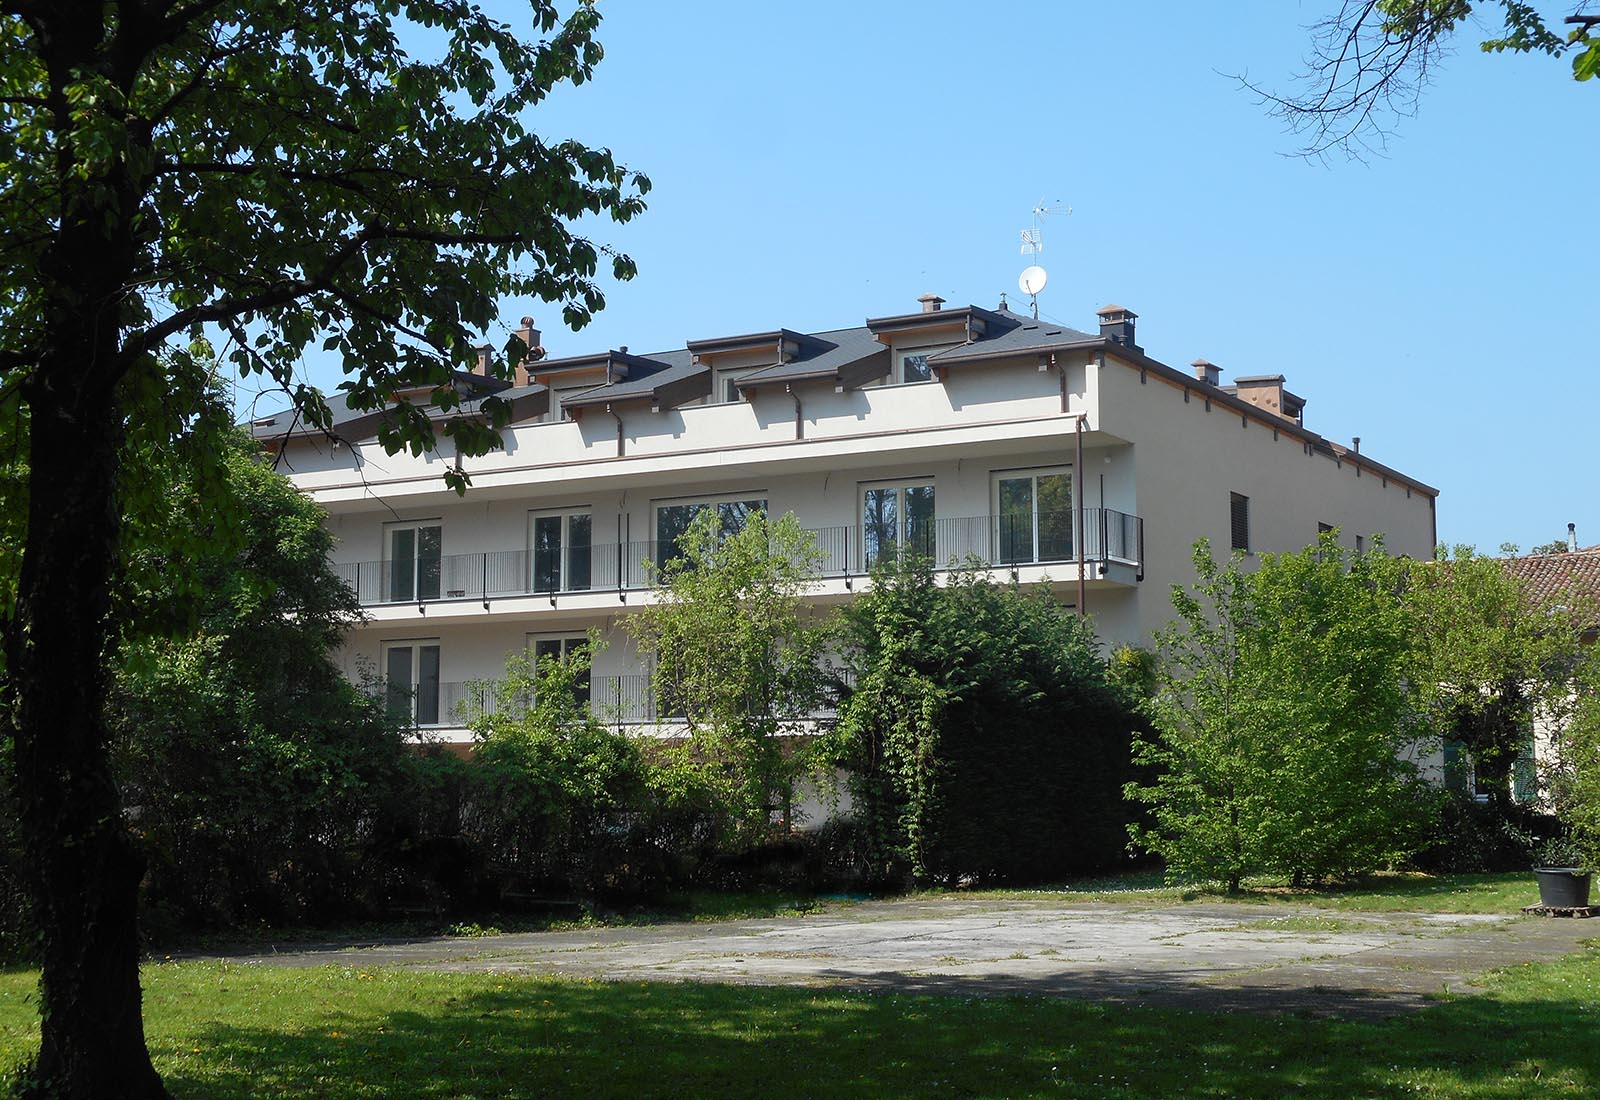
(552, 771)
(737, 654)
(1493, 658)
(287, 173)
(1287, 711)
(1371, 59)
(985, 737)
(1575, 786)
(256, 768)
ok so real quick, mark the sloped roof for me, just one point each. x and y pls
(354, 425)
(1021, 335)
(1572, 580)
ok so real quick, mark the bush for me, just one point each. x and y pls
(985, 740)
(1288, 701)
(1469, 836)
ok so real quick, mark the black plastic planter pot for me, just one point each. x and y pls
(1562, 887)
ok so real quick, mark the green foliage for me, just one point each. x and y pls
(1135, 670)
(298, 177)
(985, 738)
(1492, 658)
(1575, 776)
(554, 777)
(737, 654)
(1288, 709)
(250, 765)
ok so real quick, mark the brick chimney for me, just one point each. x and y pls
(481, 356)
(1266, 392)
(530, 337)
(931, 303)
(1116, 324)
(1208, 372)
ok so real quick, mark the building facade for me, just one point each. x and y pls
(1050, 454)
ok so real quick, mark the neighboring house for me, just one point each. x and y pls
(1570, 581)
(1046, 452)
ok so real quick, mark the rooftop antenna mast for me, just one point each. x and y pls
(1033, 277)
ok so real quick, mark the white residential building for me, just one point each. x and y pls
(955, 430)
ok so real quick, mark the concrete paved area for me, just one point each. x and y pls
(1203, 956)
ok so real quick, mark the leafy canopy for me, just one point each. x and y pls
(293, 174)
(1371, 59)
(1288, 711)
(985, 737)
(737, 651)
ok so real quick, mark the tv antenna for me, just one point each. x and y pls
(1033, 277)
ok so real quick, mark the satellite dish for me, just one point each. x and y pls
(1032, 280)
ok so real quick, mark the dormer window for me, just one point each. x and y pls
(912, 365)
(727, 388)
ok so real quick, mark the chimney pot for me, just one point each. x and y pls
(1356, 440)
(931, 303)
(1207, 372)
(529, 336)
(1572, 537)
(1116, 325)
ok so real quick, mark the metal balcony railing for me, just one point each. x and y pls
(620, 567)
(627, 700)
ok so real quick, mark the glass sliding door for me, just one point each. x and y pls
(553, 649)
(559, 560)
(673, 522)
(880, 524)
(411, 679)
(896, 518)
(1033, 516)
(413, 561)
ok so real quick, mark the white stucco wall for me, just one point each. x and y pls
(1147, 452)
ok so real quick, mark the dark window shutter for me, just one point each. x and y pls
(1239, 515)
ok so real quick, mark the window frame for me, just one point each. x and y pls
(897, 374)
(415, 646)
(902, 513)
(389, 561)
(756, 496)
(564, 564)
(1034, 473)
(567, 641)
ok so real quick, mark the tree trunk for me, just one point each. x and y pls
(81, 864)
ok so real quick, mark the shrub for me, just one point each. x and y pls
(1288, 701)
(985, 739)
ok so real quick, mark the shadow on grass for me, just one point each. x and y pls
(519, 1038)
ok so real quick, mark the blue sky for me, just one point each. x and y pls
(818, 163)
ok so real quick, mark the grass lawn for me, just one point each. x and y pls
(220, 1030)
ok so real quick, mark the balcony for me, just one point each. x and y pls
(614, 700)
(1109, 536)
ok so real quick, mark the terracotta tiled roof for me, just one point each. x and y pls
(1571, 579)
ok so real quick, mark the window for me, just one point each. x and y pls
(553, 648)
(412, 560)
(911, 364)
(726, 390)
(673, 520)
(1239, 520)
(1361, 544)
(560, 560)
(895, 516)
(1323, 529)
(411, 679)
(1033, 516)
